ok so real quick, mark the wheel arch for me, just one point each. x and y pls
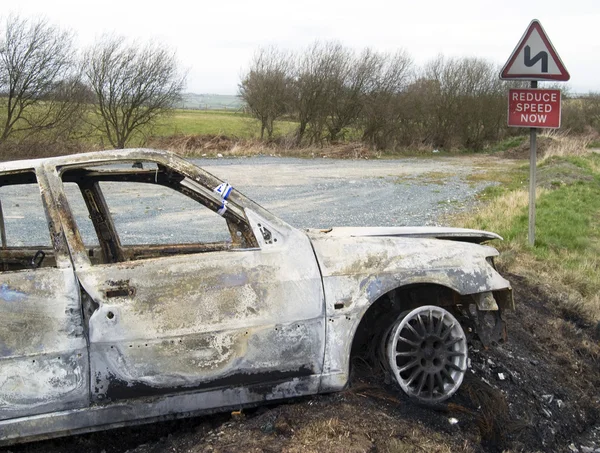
(378, 315)
(353, 304)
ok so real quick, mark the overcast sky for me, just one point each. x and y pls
(215, 39)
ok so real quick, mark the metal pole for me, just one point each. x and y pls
(3, 238)
(532, 165)
(2, 228)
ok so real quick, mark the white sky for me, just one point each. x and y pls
(215, 39)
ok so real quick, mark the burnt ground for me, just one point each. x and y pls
(538, 392)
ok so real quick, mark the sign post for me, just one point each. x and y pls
(532, 182)
(534, 59)
(533, 108)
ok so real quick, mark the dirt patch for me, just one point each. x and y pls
(559, 174)
(538, 392)
(224, 146)
(523, 150)
(193, 144)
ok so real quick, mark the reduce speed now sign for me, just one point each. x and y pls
(534, 108)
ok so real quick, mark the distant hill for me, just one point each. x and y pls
(210, 102)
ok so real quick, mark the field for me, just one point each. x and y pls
(547, 398)
(233, 124)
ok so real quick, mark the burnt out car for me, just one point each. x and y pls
(108, 318)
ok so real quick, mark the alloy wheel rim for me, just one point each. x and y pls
(427, 352)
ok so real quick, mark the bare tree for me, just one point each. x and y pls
(483, 103)
(351, 79)
(70, 100)
(333, 90)
(591, 107)
(266, 87)
(384, 108)
(581, 114)
(469, 105)
(36, 63)
(315, 74)
(134, 85)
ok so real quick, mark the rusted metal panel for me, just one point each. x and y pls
(173, 324)
(151, 410)
(195, 179)
(505, 299)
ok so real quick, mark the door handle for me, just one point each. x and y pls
(120, 291)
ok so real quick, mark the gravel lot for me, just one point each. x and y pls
(324, 193)
(307, 193)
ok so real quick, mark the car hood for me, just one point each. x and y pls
(455, 234)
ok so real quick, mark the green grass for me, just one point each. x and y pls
(567, 246)
(568, 218)
(507, 178)
(233, 124)
(217, 122)
(508, 143)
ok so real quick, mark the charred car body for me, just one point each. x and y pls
(102, 325)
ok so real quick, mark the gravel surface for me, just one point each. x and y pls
(307, 193)
(325, 193)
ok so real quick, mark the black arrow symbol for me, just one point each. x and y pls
(529, 62)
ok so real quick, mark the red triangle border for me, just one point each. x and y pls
(535, 25)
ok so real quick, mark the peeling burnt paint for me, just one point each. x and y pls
(174, 330)
(43, 353)
(10, 295)
(455, 234)
(193, 319)
(195, 361)
(42, 383)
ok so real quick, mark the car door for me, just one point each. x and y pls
(201, 311)
(43, 350)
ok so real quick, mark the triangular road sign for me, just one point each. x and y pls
(535, 58)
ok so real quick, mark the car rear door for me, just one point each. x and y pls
(43, 350)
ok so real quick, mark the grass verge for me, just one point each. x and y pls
(567, 248)
(508, 143)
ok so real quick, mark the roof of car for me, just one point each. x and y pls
(91, 157)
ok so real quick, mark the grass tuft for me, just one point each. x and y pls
(508, 143)
(564, 145)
